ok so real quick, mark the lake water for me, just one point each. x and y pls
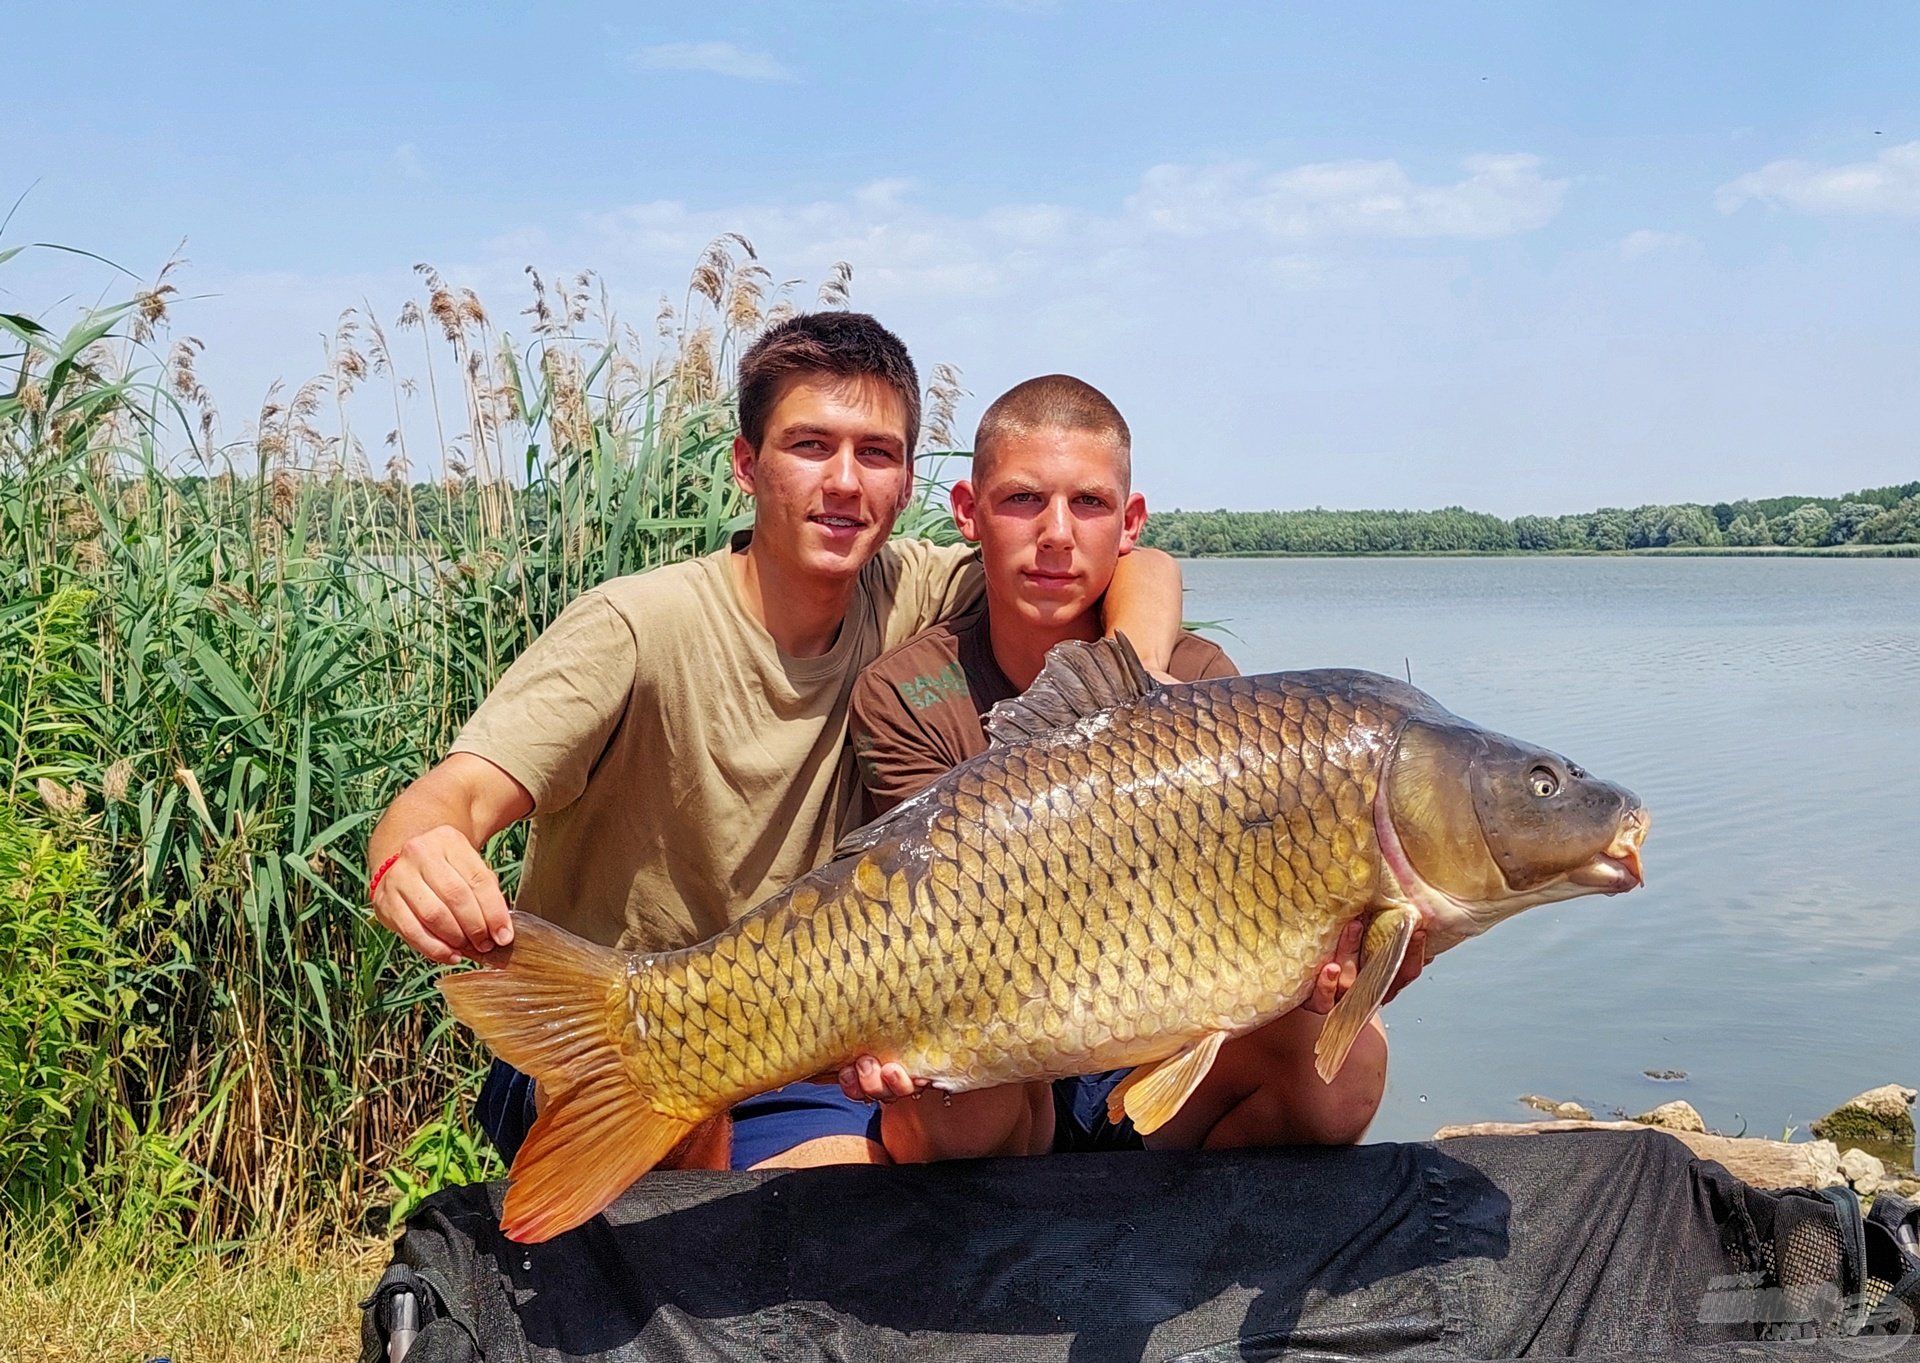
(1768, 713)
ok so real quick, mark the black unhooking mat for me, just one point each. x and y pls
(1595, 1244)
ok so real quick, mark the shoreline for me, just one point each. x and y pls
(1911, 551)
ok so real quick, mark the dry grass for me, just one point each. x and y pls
(291, 1300)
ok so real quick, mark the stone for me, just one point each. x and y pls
(1905, 1187)
(1863, 1171)
(1824, 1161)
(1572, 1112)
(1763, 1163)
(1678, 1115)
(1882, 1116)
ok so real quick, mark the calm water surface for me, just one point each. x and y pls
(1768, 713)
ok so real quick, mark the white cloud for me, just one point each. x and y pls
(1497, 196)
(1647, 242)
(1888, 185)
(713, 58)
(902, 249)
(406, 160)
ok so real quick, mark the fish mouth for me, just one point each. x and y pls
(1618, 869)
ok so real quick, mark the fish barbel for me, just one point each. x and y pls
(1129, 875)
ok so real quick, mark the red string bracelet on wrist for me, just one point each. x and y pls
(373, 885)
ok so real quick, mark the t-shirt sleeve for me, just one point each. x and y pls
(549, 718)
(1196, 659)
(935, 582)
(898, 755)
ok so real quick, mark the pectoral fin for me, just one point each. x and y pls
(1381, 951)
(1153, 1093)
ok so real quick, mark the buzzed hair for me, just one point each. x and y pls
(1053, 402)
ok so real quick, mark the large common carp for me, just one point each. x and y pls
(1129, 875)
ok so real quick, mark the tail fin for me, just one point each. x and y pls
(549, 1005)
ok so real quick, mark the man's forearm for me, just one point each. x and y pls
(1144, 602)
(420, 808)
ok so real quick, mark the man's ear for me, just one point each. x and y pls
(1133, 519)
(966, 510)
(744, 456)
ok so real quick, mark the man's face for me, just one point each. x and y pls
(830, 476)
(1052, 515)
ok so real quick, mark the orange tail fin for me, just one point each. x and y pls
(550, 1006)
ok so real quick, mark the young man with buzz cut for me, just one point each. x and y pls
(1051, 504)
(679, 736)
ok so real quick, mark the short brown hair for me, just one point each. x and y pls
(847, 345)
(1053, 402)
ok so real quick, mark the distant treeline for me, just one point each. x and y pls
(1881, 515)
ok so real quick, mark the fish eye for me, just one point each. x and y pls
(1543, 782)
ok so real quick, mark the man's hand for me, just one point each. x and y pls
(439, 894)
(866, 1080)
(1336, 976)
(443, 899)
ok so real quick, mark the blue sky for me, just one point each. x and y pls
(1521, 257)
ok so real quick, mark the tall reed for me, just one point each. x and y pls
(219, 659)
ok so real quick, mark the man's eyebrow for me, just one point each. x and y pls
(870, 438)
(1002, 486)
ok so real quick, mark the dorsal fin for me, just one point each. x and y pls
(1079, 679)
(872, 835)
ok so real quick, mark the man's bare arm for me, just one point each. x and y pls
(1143, 602)
(440, 895)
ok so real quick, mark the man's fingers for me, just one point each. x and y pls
(493, 904)
(433, 917)
(1325, 990)
(867, 1080)
(453, 891)
(896, 1081)
(417, 934)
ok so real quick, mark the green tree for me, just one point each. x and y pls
(1804, 527)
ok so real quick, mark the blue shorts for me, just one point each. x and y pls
(1080, 1122)
(775, 1122)
(762, 1127)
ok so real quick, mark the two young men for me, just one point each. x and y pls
(679, 736)
(1051, 504)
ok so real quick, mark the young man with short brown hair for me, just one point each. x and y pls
(1052, 506)
(678, 736)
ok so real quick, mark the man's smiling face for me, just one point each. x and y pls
(830, 476)
(1053, 513)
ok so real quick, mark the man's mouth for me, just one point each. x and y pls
(1046, 581)
(839, 524)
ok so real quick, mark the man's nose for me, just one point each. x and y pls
(1056, 526)
(842, 473)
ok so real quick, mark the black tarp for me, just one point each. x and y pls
(1592, 1244)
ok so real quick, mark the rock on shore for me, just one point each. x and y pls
(1882, 1116)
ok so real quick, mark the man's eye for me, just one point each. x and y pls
(1021, 498)
(1088, 499)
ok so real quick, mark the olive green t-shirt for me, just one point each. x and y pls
(682, 767)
